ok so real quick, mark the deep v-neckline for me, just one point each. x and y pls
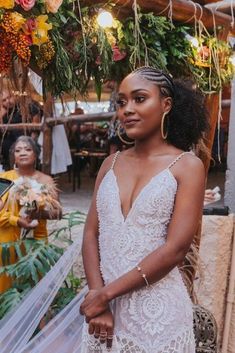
(135, 201)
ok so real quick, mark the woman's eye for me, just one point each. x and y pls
(120, 102)
(139, 99)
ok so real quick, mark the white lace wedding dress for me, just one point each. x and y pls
(155, 319)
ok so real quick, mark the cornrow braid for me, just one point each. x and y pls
(160, 78)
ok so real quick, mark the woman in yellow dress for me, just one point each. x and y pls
(25, 153)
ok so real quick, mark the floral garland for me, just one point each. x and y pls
(64, 43)
(24, 31)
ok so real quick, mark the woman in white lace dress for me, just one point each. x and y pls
(143, 217)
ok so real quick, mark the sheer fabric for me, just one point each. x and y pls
(18, 326)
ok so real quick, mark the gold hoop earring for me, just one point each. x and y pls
(122, 139)
(164, 134)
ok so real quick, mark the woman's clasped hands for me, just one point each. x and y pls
(98, 315)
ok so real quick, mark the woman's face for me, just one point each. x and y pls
(140, 107)
(24, 154)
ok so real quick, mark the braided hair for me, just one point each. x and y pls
(187, 120)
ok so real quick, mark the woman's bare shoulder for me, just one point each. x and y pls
(108, 162)
(189, 165)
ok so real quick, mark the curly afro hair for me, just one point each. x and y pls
(187, 121)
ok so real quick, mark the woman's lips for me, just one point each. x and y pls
(130, 122)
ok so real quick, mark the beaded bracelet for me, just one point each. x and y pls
(143, 275)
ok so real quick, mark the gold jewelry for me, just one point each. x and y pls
(122, 139)
(143, 275)
(103, 334)
(164, 134)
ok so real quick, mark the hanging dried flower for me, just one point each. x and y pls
(117, 54)
(46, 54)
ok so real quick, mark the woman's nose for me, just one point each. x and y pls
(128, 109)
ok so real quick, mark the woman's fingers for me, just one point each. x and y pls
(97, 331)
(109, 340)
(103, 334)
(91, 329)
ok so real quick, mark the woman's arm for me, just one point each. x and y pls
(1, 204)
(181, 231)
(8, 218)
(90, 248)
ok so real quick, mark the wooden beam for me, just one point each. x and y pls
(212, 103)
(226, 103)
(21, 126)
(81, 118)
(47, 135)
(182, 10)
(204, 2)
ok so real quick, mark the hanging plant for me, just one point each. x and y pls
(63, 42)
(210, 63)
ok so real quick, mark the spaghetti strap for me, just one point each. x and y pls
(177, 159)
(114, 159)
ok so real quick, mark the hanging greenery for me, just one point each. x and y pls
(63, 42)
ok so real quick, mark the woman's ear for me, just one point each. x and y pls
(167, 104)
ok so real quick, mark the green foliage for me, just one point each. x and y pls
(66, 293)
(35, 259)
(84, 51)
(39, 257)
(10, 299)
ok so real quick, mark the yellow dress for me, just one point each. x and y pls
(10, 231)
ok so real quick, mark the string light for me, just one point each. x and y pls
(105, 19)
(194, 41)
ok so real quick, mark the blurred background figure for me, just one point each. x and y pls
(11, 114)
(12, 220)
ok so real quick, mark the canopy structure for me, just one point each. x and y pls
(185, 12)
(182, 10)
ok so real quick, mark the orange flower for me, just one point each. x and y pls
(7, 4)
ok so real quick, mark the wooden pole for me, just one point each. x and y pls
(182, 10)
(81, 118)
(21, 126)
(47, 134)
(212, 105)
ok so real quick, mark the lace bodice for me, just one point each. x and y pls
(155, 319)
(142, 231)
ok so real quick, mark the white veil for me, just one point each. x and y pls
(18, 326)
(63, 334)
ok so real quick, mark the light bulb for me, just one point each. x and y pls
(194, 41)
(105, 19)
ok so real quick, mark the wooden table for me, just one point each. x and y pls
(77, 156)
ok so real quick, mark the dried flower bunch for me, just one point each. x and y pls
(30, 195)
